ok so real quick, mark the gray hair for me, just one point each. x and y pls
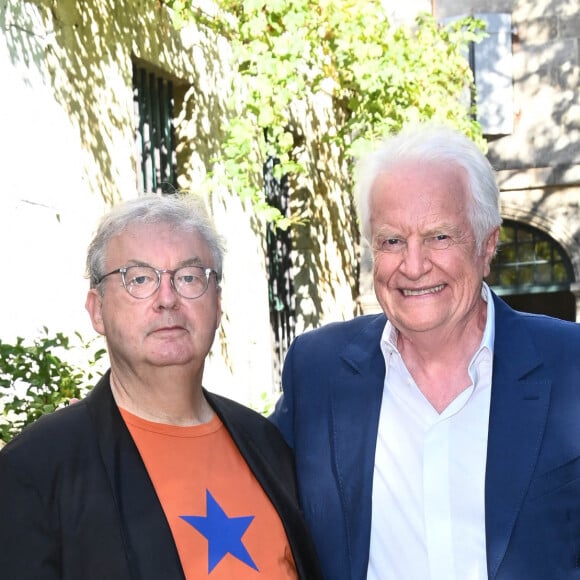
(183, 212)
(440, 144)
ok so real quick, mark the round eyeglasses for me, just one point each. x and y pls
(143, 281)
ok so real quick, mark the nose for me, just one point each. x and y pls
(166, 295)
(415, 260)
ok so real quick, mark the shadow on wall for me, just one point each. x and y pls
(326, 244)
(542, 155)
(84, 54)
(546, 75)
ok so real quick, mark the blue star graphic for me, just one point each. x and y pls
(224, 535)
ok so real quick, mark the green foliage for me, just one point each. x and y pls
(378, 77)
(34, 380)
(266, 404)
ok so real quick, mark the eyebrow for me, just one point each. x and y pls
(192, 262)
(445, 229)
(195, 261)
(387, 232)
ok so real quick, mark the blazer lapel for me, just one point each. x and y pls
(149, 545)
(275, 473)
(354, 420)
(519, 405)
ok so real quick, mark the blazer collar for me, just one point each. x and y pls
(149, 545)
(148, 541)
(355, 408)
(519, 405)
(250, 438)
(520, 399)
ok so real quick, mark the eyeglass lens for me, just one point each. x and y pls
(143, 281)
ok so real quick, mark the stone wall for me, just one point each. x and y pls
(538, 162)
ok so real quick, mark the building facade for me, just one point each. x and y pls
(107, 101)
(527, 74)
(103, 101)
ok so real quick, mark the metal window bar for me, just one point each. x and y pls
(279, 262)
(515, 268)
(154, 101)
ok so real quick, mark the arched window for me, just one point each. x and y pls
(529, 261)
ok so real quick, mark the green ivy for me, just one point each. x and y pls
(378, 76)
(265, 406)
(35, 380)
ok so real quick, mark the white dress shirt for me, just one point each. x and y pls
(428, 501)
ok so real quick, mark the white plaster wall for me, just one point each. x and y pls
(247, 347)
(45, 208)
(55, 190)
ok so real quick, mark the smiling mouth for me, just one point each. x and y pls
(423, 291)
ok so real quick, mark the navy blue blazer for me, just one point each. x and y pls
(76, 502)
(333, 382)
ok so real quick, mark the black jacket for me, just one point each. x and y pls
(76, 501)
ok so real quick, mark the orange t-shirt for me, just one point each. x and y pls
(223, 523)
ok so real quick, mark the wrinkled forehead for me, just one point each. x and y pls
(405, 182)
(139, 240)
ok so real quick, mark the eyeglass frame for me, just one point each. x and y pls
(123, 270)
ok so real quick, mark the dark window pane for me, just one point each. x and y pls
(526, 252)
(543, 250)
(154, 132)
(543, 274)
(493, 278)
(525, 275)
(560, 273)
(530, 259)
(507, 254)
(506, 234)
(508, 277)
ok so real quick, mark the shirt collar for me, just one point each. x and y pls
(389, 336)
(489, 331)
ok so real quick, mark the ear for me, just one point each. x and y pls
(218, 316)
(94, 305)
(489, 248)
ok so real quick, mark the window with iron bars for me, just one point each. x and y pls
(153, 99)
(279, 262)
(529, 261)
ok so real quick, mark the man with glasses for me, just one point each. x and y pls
(151, 476)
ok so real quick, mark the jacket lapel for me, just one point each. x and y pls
(355, 409)
(275, 475)
(519, 405)
(148, 542)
